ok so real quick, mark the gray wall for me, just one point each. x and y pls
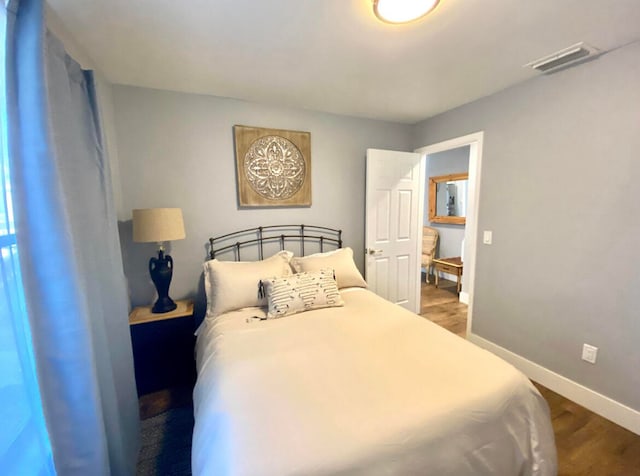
(452, 161)
(560, 173)
(176, 150)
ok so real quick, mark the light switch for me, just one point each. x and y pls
(488, 237)
(589, 353)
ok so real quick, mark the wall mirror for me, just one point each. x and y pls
(448, 198)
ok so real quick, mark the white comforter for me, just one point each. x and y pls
(366, 389)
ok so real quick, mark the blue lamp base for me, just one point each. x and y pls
(161, 270)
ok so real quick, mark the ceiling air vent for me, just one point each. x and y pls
(564, 58)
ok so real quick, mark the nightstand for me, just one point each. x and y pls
(449, 265)
(163, 347)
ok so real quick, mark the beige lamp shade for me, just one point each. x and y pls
(157, 224)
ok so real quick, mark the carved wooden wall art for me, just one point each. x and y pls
(273, 167)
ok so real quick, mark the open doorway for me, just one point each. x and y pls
(456, 250)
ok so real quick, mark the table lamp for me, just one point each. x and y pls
(159, 225)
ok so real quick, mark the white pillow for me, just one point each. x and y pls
(340, 261)
(232, 285)
(301, 292)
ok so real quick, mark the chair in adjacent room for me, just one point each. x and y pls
(429, 243)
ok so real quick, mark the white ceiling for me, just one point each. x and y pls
(334, 55)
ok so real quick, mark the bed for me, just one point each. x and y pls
(360, 388)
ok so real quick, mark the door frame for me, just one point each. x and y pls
(475, 143)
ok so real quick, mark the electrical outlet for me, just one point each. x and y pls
(589, 353)
(487, 237)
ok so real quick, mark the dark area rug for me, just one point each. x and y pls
(166, 443)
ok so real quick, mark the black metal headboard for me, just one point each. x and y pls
(281, 234)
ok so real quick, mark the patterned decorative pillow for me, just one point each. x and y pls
(301, 292)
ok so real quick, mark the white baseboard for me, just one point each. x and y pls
(464, 298)
(604, 406)
(450, 277)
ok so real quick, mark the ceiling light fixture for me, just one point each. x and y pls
(402, 11)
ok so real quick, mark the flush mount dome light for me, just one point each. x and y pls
(402, 11)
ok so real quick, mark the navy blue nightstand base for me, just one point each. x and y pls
(163, 353)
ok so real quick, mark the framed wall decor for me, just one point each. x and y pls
(448, 198)
(273, 167)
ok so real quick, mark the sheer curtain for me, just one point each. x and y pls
(69, 254)
(24, 441)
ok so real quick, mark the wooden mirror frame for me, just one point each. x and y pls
(433, 184)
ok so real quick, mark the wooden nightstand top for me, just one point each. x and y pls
(457, 261)
(143, 314)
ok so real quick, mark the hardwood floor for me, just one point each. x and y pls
(441, 305)
(588, 445)
(153, 404)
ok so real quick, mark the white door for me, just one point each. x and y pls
(394, 206)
